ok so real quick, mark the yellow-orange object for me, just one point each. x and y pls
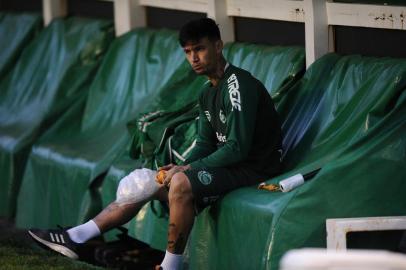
(270, 187)
(160, 177)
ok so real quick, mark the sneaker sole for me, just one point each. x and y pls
(58, 248)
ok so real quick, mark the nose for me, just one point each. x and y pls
(195, 57)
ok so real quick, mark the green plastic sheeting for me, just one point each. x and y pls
(16, 31)
(277, 67)
(63, 172)
(347, 116)
(52, 73)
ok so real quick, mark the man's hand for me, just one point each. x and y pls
(166, 167)
(172, 171)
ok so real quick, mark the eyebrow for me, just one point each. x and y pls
(192, 47)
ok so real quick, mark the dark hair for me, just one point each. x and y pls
(195, 30)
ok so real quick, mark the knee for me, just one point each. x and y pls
(180, 189)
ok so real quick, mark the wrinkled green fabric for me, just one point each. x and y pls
(175, 104)
(347, 116)
(52, 73)
(80, 147)
(154, 136)
(277, 67)
(16, 31)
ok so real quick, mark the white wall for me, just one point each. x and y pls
(318, 16)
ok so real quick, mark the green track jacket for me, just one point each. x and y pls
(238, 126)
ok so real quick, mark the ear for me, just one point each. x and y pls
(219, 46)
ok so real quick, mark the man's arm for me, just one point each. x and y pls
(205, 145)
(240, 130)
(205, 141)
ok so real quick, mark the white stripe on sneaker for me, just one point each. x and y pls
(58, 248)
(57, 238)
(63, 240)
(52, 237)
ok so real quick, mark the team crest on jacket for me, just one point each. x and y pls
(222, 117)
(233, 90)
(204, 177)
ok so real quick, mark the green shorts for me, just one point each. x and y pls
(209, 184)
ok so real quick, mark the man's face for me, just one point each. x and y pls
(203, 55)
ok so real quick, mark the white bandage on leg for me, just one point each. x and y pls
(138, 186)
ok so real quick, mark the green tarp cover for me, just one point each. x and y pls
(277, 67)
(51, 74)
(347, 116)
(16, 30)
(82, 145)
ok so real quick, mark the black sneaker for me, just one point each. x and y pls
(57, 240)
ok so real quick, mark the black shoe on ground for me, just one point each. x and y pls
(57, 240)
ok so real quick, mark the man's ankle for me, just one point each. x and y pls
(172, 261)
(82, 233)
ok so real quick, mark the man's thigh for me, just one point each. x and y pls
(209, 184)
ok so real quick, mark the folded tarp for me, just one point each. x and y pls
(347, 117)
(277, 67)
(52, 73)
(82, 145)
(16, 31)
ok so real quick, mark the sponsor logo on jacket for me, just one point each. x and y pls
(222, 116)
(207, 113)
(233, 90)
(221, 137)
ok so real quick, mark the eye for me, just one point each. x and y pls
(199, 48)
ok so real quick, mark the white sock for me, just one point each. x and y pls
(172, 261)
(84, 232)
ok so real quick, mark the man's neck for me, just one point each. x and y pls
(218, 74)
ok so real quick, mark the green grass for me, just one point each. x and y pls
(18, 251)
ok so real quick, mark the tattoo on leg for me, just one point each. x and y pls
(170, 242)
(178, 244)
(111, 207)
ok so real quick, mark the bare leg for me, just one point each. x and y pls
(115, 214)
(181, 216)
